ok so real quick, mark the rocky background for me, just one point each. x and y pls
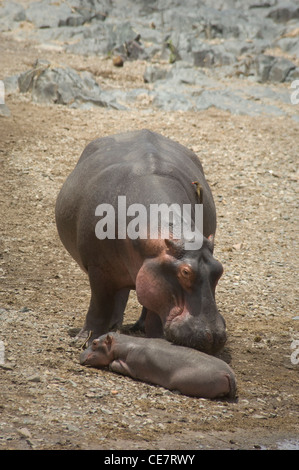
(233, 55)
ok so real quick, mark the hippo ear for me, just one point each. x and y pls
(109, 341)
(175, 247)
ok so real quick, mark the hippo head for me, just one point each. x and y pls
(99, 353)
(177, 288)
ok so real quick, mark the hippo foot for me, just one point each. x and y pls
(137, 327)
(82, 339)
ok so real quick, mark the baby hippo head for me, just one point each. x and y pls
(99, 353)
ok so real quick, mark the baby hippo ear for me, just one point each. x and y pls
(109, 341)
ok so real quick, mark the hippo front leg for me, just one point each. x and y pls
(140, 324)
(106, 308)
(120, 367)
(153, 325)
(149, 323)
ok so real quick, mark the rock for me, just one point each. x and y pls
(132, 50)
(275, 69)
(171, 101)
(7, 366)
(4, 111)
(48, 14)
(153, 73)
(293, 75)
(25, 309)
(72, 20)
(11, 84)
(118, 61)
(237, 47)
(213, 56)
(289, 44)
(24, 432)
(268, 92)
(280, 69)
(284, 13)
(104, 38)
(10, 14)
(204, 58)
(12, 10)
(263, 66)
(26, 79)
(96, 10)
(73, 332)
(203, 45)
(183, 73)
(234, 103)
(63, 85)
(34, 378)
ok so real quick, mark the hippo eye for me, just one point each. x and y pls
(186, 276)
(186, 272)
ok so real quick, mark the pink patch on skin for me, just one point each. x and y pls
(176, 314)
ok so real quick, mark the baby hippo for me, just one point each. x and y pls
(156, 361)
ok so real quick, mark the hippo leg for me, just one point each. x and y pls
(120, 303)
(149, 323)
(105, 311)
(140, 324)
(153, 325)
(120, 367)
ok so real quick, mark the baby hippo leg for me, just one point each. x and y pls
(203, 383)
(120, 367)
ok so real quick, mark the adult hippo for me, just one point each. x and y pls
(175, 285)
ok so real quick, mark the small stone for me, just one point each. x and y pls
(24, 432)
(118, 61)
(73, 332)
(34, 378)
(237, 246)
(24, 309)
(7, 366)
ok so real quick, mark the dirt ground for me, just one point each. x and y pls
(49, 401)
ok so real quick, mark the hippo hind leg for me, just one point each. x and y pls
(105, 311)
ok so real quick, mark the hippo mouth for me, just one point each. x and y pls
(184, 329)
(86, 358)
(174, 314)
